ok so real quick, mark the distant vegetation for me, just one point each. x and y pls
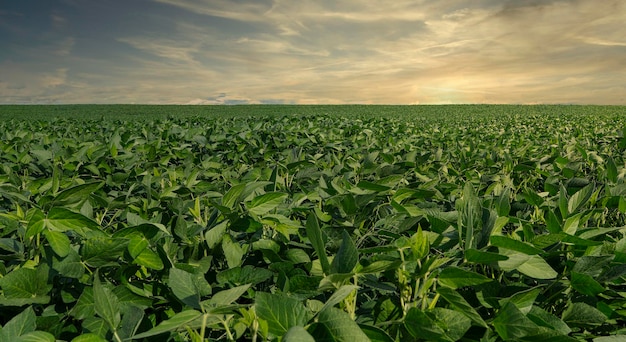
(312, 223)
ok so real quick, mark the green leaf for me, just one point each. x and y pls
(336, 325)
(314, 233)
(281, 312)
(27, 283)
(226, 297)
(511, 324)
(455, 277)
(514, 245)
(184, 287)
(106, 304)
(176, 322)
(347, 256)
(420, 245)
(149, 259)
(459, 303)
(375, 334)
(455, 323)
(103, 251)
(37, 336)
(481, 257)
(76, 193)
(266, 202)
(59, 242)
(580, 198)
(611, 170)
(585, 284)
(581, 314)
(61, 219)
(84, 307)
(36, 223)
(233, 195)
(537, 268)
(19, 325)
(380, 266)
(297, 334)
(592, 265)
(523, 300)
(420, 325)
(233, 252)
(339, 295)
(545, 319)
(90, 337)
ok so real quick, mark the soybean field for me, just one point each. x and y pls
(312, 223)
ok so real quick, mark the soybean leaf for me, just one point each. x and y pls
(523, 300)
(89, 337)
(585, 284)
(184, 287)
(582, 314)
(59, 242)
(266, 202)
(226, 297)
(519, 246)
(537, 268)
(19, 325)
(420, 325)
(336, 325)
(176, 322)
(37, 336)
(455, 277)
(347, 256)
(106, 304)
(481, 257)
(61, 219)
(459, 303)
(456, 324)
(314, 233)
(76, 193)
(297, 334)
(375, 334)
(233, 195)
(26, 283)
(545, 319)
(510, 323)
(580, 198)
(281, 312)
(339, 295)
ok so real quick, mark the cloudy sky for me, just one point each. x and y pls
(312, 51)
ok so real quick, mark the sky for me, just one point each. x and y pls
(312, 51)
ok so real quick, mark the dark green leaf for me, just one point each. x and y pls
(337, 326)
(585, 284)
(297, 334)
(281, 312)
(314, 233)
(581, 314)
(455, 277)
(19, 325)
(347, 256)
(176, 322)
(510, 323)
(459, 303)
(515, 245)
(106, 304)
(481, 257)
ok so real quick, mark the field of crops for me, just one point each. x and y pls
(312, 223)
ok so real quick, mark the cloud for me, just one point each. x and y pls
(327, 51)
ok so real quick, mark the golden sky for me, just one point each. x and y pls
(306, 51)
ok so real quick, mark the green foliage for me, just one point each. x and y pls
(312, 223)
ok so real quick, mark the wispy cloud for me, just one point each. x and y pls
(323, 51)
